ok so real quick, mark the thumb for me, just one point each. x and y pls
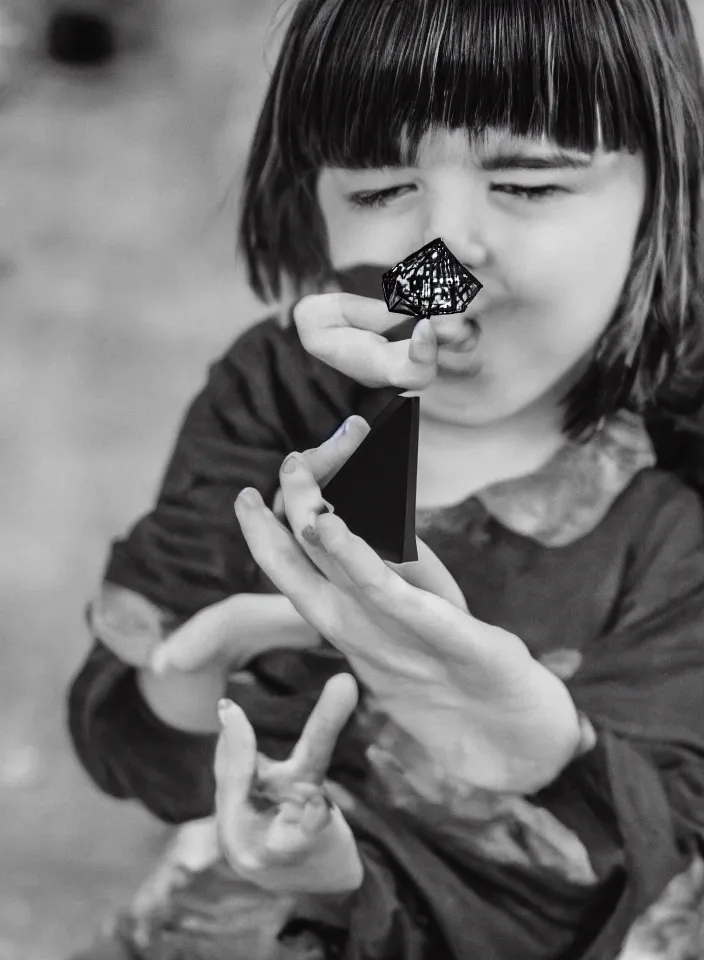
(311, 756)
(197, 642)
(235, 761)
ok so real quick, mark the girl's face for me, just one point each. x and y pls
(548, 232)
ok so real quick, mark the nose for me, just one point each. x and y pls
(454, 214)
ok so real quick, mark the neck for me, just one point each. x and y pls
(489, 453)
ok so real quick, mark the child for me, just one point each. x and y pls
(534, 790)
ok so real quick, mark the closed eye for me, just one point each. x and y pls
(528, 193)
(366, 199)
(376, 198)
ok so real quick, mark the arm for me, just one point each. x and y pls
(265, 396)
(149, 736)
(635, 799)
(636, 812)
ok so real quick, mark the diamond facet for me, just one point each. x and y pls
(429, 282)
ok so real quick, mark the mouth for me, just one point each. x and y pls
(458, 357)
(462, 341)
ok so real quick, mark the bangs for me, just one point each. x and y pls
(366, 80)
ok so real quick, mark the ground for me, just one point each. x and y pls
(119, 284)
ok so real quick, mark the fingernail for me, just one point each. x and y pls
(420, 342)
(248, 497)
(290, 463)
(310, 534)
(342, 429)
(316, 814)
(224, 707)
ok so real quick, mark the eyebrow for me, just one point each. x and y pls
(524, 161)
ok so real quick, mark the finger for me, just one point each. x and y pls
(311, 756)
(304, 503)
(277, 507)
(370, 576)
(349, 337)
(429, 573)
(329, 311)
(235, 760)
(423, 347)
(197, 642)
(316, 815)
(325, 461)
(303, 500)
(278, 554)
(436, 625)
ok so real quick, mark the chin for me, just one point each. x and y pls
(468, 401)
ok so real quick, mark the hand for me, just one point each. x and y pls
(228, 635)
(345, 331)
(468, 691)
(278, 827)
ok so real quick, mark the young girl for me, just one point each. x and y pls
(519, 769)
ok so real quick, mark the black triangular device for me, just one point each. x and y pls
(374, 492)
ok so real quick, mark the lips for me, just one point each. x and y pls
(462, 339)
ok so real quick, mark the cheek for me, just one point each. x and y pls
(573, 275)
(355, 239)
(364, 237)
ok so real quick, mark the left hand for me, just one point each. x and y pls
(469, 692)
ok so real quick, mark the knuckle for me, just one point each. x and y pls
(387, 589)
(374, 590)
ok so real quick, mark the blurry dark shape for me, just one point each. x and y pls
(80, 38)
(374, 492)
(429, 282)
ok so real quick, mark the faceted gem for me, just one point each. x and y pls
(429, 282)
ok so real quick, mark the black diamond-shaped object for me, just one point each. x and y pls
(430, 282)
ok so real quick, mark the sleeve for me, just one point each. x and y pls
(635, 798)
(129, 752)
(264, 398)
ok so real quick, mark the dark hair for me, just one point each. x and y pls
(358, 83)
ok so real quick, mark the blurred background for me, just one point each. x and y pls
(120, 164)
(118, 285)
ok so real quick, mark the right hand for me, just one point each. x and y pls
(228, 634)
(346, 331)
(291, 838)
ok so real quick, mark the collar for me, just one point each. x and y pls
(574, 490)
